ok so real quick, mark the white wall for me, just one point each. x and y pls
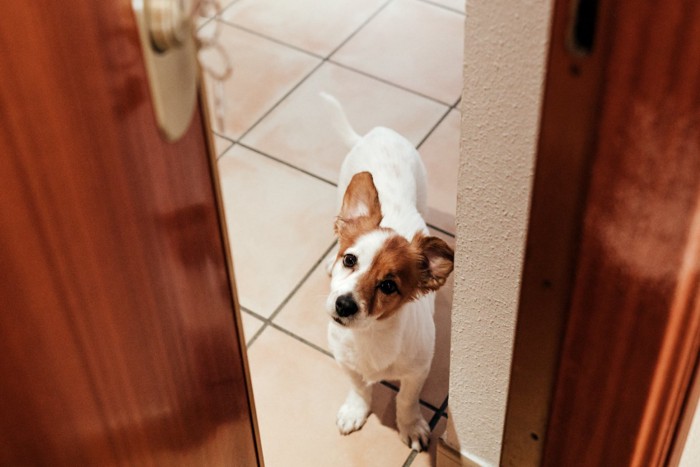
(691, 451)
(505, 49)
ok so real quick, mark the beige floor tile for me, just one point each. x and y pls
(413, 44)
(263, 72)
(221, 145)
(316, 26)
(251, 325)
(279, 222)
(299, 130)
(305, 316)
(305, 313)
(440, 153)
(200, 21)
(457, 5)
(297, 392)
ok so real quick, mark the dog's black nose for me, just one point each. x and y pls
(345, 306)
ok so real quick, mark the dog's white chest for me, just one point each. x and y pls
(388, 350)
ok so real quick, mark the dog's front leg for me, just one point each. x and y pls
(413, 428)
(353, 413)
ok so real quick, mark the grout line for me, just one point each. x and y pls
(302, 340)
(385, 81)
(282, 99)
(427, 405)
(303, 279)
(270, 38)
(228, 148)
(207, 21)
(430, 132)
(292, 166)
(442, 231)
(442, 412)
(255, 315)
(286, 44)
(444, 7)
(268, 321)
(221, 135)
(395, 388)
(287, 332)
(410, 458)
(256, 335)
(216, 16)
(218, 158)
(252, 313)
(359, 28)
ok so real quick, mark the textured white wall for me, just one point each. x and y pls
(691, 451)
(505, 51)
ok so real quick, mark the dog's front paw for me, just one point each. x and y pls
(415, 434)
(352, 416)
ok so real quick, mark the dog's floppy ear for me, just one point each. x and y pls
(360, 203)
(437, 261)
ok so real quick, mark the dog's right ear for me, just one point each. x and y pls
(360, 204)
(436, 261)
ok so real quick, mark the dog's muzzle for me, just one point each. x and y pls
(345, 306)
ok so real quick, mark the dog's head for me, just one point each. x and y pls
(377, 270)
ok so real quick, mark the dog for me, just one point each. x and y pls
(383, 277)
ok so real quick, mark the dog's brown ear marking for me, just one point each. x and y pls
(437, 261)
(361, 201)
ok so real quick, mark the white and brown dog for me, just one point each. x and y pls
(384, 277)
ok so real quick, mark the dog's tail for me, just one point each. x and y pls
(340, 121)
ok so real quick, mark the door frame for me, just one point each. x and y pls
(558, 393)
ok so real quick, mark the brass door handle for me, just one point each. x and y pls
(168, 22)
(170, 55)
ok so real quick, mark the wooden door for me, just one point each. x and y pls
(119, 335)
(608, 333)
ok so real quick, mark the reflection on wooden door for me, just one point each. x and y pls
(118, 337)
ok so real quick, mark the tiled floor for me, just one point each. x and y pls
(394, 63)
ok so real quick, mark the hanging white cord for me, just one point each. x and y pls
(210, 42)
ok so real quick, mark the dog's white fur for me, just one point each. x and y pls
(398, 348)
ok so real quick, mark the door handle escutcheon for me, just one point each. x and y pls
(170, 56)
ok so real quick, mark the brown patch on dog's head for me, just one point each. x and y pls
(403, 271)
(361, 210)
(392, 279)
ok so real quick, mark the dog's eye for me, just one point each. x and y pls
(349, 261)
(387, 287)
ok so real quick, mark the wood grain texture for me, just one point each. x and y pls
(118, 341)
(633, 330)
